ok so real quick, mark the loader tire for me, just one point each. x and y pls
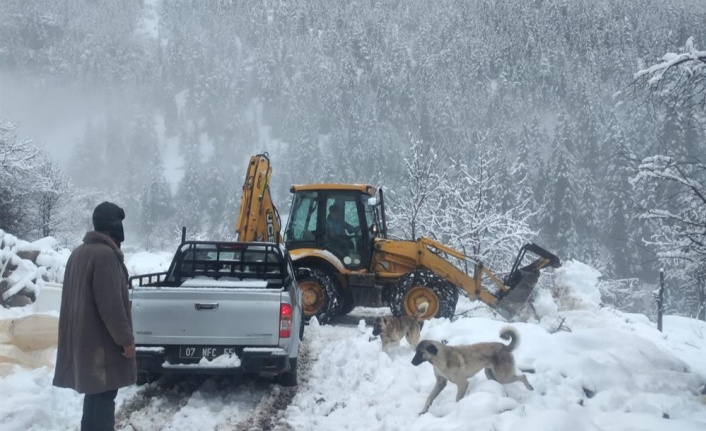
(320, 296)
(421, 286)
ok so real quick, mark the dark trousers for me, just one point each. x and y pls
(99, 411)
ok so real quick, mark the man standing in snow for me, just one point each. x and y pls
(96, 350)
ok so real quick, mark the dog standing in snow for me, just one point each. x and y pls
(392, 329)
(460, 363)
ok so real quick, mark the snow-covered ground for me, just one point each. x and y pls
(611, 371)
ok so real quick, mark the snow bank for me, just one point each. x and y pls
(27, 266)
(588, 379)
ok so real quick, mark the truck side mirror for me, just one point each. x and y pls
(372, 201)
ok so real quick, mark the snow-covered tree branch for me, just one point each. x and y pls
(691, 60)
(673, 184)
(679, 80)
(682, 215)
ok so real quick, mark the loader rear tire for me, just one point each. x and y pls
(421, 286)
(320, 296)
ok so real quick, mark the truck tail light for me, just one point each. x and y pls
(285, 321)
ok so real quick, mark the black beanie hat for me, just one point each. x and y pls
(108, 218)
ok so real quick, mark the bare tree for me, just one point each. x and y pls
(464, 205)
(476, 220)
(415, 209)
(19, 161)
(51, 196)
(673, 184)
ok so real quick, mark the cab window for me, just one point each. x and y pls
(302, 218)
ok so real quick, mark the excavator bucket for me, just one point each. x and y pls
(522, 280)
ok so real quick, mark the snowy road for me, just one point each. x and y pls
(227, 403)
(208, 403)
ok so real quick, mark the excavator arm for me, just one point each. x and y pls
(258, 219)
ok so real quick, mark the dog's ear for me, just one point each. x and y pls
(432, 349)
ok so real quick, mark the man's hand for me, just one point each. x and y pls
(129, 351)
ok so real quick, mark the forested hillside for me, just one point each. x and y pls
(489, 122)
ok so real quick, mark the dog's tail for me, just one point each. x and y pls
(510, 333)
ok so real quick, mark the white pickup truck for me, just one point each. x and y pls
(222, 307)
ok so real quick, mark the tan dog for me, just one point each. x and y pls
(392, 329)
(460, 363)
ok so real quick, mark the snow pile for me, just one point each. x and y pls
(576, 287)
(619, 377)
(26, 267)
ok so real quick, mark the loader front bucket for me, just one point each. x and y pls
(512, 302)
(521, 281)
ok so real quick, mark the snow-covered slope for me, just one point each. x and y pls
(613, 371)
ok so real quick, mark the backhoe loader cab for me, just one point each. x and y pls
(341, 219)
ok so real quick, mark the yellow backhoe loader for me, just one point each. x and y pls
(339, 232)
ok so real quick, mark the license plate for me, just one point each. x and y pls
(208, 352)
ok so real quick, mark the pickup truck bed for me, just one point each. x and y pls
(222, 307)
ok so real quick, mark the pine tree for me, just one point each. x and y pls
(156, 207)
(619, 218)
(142, 151)
(560, 209)
(87, 162)
(116, 153)
(524, 169)
(190, 205)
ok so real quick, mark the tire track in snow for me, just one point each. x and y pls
(190, 402)
(185, 403)
(268, 415)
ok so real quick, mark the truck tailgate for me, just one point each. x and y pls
(206, 316)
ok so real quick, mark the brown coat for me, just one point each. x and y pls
(94, 320)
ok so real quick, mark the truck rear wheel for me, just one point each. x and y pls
(320, 296)
(421, 289)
